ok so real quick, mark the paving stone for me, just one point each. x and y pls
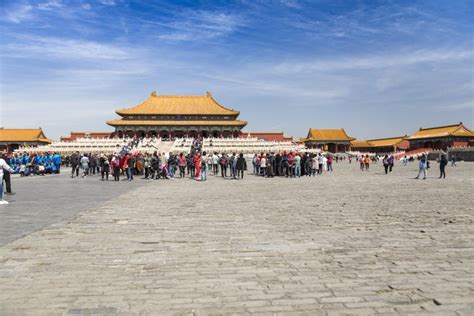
(347, 242)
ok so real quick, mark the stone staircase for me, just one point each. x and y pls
(166, 146)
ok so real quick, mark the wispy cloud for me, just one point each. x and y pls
(45, 47)
(108, 2)
(375, 61)
(50, 5)
(19, 13)
(200, 24)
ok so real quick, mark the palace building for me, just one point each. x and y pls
(13, 138)
(332, 140)
(442, 137)
(178, 116)
(381, 145)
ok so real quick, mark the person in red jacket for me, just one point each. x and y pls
(197, 164)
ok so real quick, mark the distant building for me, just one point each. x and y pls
(332, 140)
(268, 136)
(441, 137)
(178, 116)
(93, 135)
(13, 138)
(381, 145)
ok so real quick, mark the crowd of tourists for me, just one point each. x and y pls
(32, 164)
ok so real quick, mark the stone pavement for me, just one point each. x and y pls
(349, 242)
(45, 200)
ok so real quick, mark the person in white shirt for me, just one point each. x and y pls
(215, 163)
(3, 165)
(263, 164)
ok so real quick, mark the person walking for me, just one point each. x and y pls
(297, 164)
(75, 162)
(391, 163)
(115, 164)
(3, 167)
(203, 168)
(104, 167)
(215, 163)
(85, 165)
(182, 165)
(367, 162)
(330, 160)
(241, 166)
(385, 163)
(442, 166)
(223, 163)
(197, 164)
(422, 167)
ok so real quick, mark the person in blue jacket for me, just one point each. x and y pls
(57, 162)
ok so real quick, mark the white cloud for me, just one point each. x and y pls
(194, 25)
(50, 5)
(107, 2)
(375, 62)
(19, 13)
(47, 47)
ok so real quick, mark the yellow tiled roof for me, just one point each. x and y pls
(360, 143)
(443, 131)
(177, 123)
(386, 142)
(179, 105)
(327, 135)
(23, 135)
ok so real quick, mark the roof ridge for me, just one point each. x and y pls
(386, 138)
(443, 126)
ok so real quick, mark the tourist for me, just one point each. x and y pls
(453, 161)
(391, 163)
(75, 163)
(232, 161)
(320, 163)
(442, 166)
(182, 165)
(330, 160)
(172, 163)
(367, 162)
(270, 165)
(203, 168)
(115, 164)
(297, 164)
(104, 167)
(362, 163)
(155, 166)
(385, 163)
(255, 164)
(314, 165)
(223, 163)
(84, 166)
(422, 167)
(215, 163)
(209, 161)
(191, 167)
(405, 161)
(241, 166)
(147, 165)
(10, 161)
(263, 164)
(3, 167)
(197, 164)
(57, 162)
(92, 164)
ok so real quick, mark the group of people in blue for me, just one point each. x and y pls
(27, 164)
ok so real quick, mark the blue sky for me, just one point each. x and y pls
(376, 68)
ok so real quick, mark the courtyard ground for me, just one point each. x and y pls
(347, 242)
